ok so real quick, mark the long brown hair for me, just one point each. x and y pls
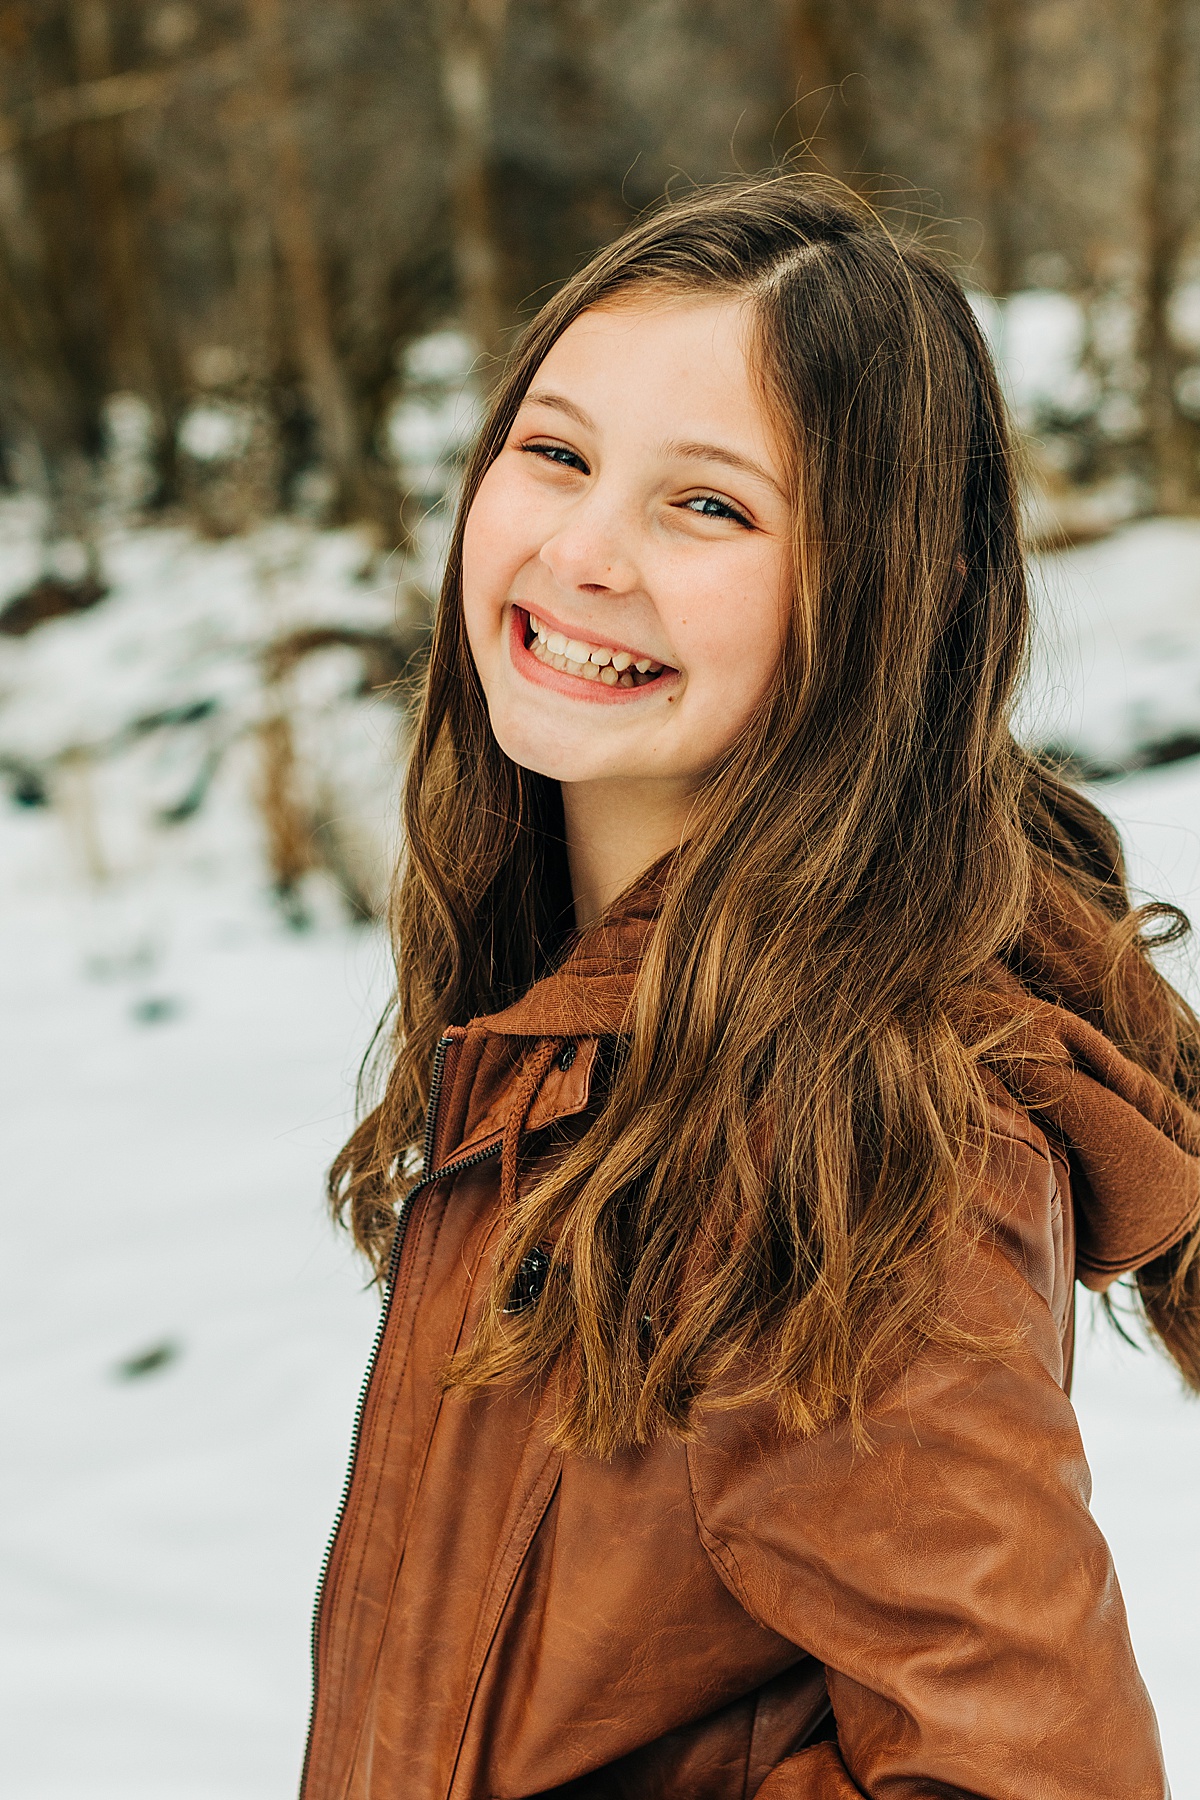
(772, 1186)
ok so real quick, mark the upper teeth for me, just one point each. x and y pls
(594, 662)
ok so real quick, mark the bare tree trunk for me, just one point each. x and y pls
(253, 255)
(470, 33)
(42, 398)
(1174, 442)
(300, 253)
(36, 376)
(101, 170)
(1000, 146)
(824, 128)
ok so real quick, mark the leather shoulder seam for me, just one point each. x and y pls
(719, 1553)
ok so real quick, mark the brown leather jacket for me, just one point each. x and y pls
(745, 1614)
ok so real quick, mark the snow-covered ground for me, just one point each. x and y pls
(170, 1102)
(1141, 1431)
(177, 1065)
(1116, 657)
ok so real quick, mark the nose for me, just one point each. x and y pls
(591, 551)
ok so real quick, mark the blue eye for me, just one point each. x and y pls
(556, 453)
(709, 506)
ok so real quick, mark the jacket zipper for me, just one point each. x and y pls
(428, 1179)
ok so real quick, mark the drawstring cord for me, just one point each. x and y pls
(528, 1083)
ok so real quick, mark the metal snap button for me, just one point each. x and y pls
(531, 1279)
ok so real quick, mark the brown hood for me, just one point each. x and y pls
(1133, 1146)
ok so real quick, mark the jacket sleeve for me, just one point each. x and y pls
(950, 1578)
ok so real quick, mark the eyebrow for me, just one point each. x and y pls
(560, 403)
(687, 451)
(718, 454)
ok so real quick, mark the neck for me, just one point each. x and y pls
(615, 830)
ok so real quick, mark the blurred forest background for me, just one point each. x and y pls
(258, 259)
(248, 208)
(245, 209)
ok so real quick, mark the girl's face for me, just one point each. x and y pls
(626, 559)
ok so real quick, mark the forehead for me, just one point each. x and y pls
(657, 315)
(647, 355)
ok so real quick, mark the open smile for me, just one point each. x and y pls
(579, 666)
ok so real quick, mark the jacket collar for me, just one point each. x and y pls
(589, 993)
(585, 998)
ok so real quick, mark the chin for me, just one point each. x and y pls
(547, 755)
(540, 759)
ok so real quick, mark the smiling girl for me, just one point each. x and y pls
(775, 1044)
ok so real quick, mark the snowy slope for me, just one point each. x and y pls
(147, 717)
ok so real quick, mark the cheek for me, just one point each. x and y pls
(493, 547)
(480, 562)
(741, 627)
